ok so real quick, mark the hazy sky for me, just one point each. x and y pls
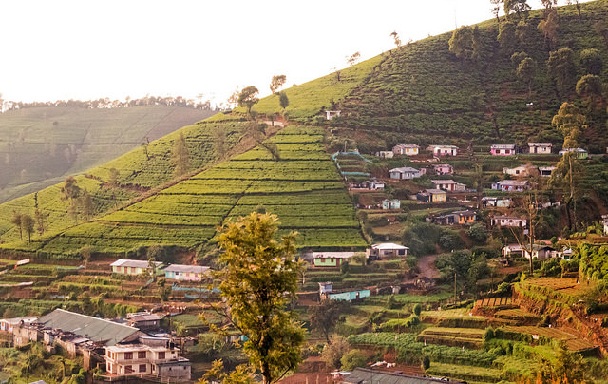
(88, 49)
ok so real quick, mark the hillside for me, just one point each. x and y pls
(41, 145)
(420, 93)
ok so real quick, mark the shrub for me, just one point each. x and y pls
(353, 359)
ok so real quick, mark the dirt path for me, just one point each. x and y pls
(426, 264)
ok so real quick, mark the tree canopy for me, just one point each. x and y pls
(258, 282)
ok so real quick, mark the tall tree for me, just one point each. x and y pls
(325, 316)
(86, 204)
(517, 9)
(562, 69)
(181, 156)
(461, 43)
(16, 220)
(526, 72)
(549, 27)
(352, 59)
(396, 39)
(507, 37)
(27, 225)
(283, 101)
(591, 61)
(40, 217)
(277, 82)
(496, 6)
(248, 97)
(258, 281)
(591, 89)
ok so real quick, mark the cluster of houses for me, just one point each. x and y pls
(131, 267)
(127, 349)
(135, 346)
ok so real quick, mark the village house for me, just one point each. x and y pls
(432, 196)
(464, 217)
(510, 185)
(542, 252)
(391, 204)
(579, 153)
(329, 115)
(156, 356)
(521, 171)
(144, 321)
(513, 251)
(605, 222)
(456, 217)
(7, 325)
(496, 202)
(406, 149)
(406, 173)
(385, 250)
(132, 267)
(546, 171)
(330, 259)
(443, 169)
(186, 272)
(444, 150)
(385, 154)
(372, 185)
(543, 148)
(449, 185)
(508, 221)
(502, 149)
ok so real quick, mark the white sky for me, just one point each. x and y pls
(88, 49)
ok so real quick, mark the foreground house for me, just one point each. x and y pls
(156, 356)
(502, 149)
(186, 272)
(385, 250)
(132, 267)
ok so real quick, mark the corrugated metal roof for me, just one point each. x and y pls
(360, 375)
(94, 328)
(186, 268)
(133, 263)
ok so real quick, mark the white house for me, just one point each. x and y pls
(391, 204)
(449, 185)
(513, 250)
(331, 114)
(406, 149)
(384, 250)
(579, 153)
(405, 173)
(496, 202)
(510, 185)
(502, 149)
(186, 272)
(508, 221)
(132, 267)
(156, 356)
(385, 154)
(605, 221)
(7, 325)
(444, 150)
(543, 148)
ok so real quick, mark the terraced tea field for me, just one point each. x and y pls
(301, 185)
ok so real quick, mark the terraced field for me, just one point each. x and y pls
(300, 184)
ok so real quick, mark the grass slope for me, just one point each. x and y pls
(41, 145)
(422, 93)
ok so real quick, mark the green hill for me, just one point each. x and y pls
(419, 93)
(41, 145)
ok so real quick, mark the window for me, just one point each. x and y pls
(142, 368)
(128, 369)
(161, 355)
(141, 354)
(128, 355)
